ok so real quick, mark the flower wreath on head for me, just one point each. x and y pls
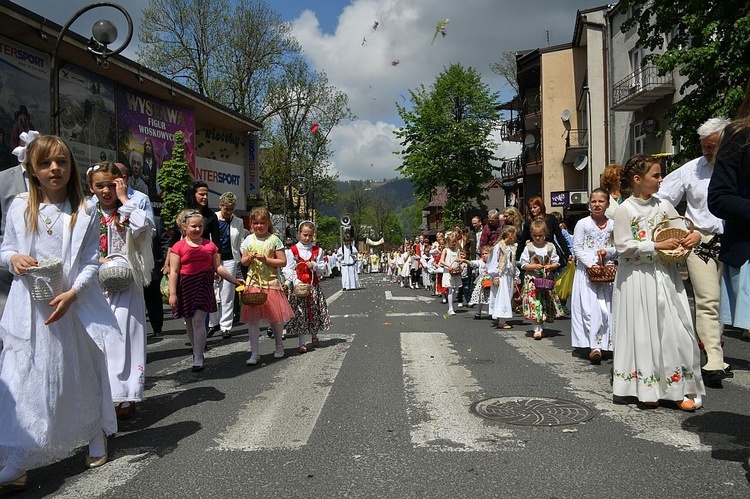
(27, 138)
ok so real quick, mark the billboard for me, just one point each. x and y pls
(220, 162)
(24, 96)
(146, 127)
(87, 117)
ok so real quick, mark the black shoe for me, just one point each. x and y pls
(212, 331)
(477, 317)
(197, 369)
(225, 335)
(158, 334)
(716, 375)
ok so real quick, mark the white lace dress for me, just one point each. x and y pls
(591, 302)
(54, 391)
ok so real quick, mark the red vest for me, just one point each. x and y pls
(304, 274)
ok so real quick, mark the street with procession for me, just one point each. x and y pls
(387, 407)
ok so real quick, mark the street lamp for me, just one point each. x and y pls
(301, 185)
(104, 32)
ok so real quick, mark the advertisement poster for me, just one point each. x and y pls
(87, 117)
(24, 100)
(146, 131)
(220, 156)
(253, 153)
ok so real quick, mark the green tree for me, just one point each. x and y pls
(446, 138)
(410, 219)
(174, 177)
(709, 44)
(506, 67)
(328, 232)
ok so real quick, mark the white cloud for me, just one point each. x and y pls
(478, 31)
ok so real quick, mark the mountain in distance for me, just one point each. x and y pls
(398, 192)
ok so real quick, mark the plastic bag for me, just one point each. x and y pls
(564, 282)
(164, 288)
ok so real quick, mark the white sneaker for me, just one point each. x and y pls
(451, 312)
(279, 353)
(460, 305)
(254, 358)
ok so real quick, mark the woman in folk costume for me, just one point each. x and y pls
(591, 302)
(304, 270)
(54, 391)
(656, 353)
(125, 232)
(347, 255)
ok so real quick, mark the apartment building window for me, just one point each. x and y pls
(636, 58)
(639, 139)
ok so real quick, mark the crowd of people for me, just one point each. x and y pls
(79, 273)
(85, 270)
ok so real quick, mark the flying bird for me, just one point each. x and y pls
(395, 62)
(364, 40)
(375, 25)
(442, 28)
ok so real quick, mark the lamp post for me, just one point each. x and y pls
(104, 32)
(302, 188)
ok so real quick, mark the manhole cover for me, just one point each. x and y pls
(535, 411)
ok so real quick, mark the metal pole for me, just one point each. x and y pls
(95, 47)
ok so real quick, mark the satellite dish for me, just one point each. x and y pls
(580, 162)
(649, 125)
(565, 115)
(530, 140)
(345, 220)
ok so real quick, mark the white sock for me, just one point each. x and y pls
(10, 473)
(253, 332)
(96, 446)
(302, 340)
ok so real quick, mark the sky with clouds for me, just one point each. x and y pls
(338, 37)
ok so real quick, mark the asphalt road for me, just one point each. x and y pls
(383, 409)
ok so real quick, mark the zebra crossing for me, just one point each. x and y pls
(437, 391)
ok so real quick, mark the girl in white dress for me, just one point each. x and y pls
(591, 302)
(656, 353)
(451, 278)
(54, 394)
(504, 272)
(125, 231)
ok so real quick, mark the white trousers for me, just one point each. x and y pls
(706, 278)
(224, 315)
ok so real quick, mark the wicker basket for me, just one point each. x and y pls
(544, 283)
(116, 274)
(45, 280)
(679, 254)
(601, 272)
(254, 295)
(302, 289)
(258, 297)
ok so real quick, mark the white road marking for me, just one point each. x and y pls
(439, 393)
(348, 316)
(284, 416)
(413, 314)
(100, 482)
(335, 296)
(661, 425)
(389, 296)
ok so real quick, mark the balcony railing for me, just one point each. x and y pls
(577, 137)
(510, 129)
(576, 142)
(532, 154)
(641, 88)
(512, 169)
(532, 104)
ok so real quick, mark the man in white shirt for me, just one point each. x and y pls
(690, 182)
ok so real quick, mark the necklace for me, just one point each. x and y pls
(48, 221)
